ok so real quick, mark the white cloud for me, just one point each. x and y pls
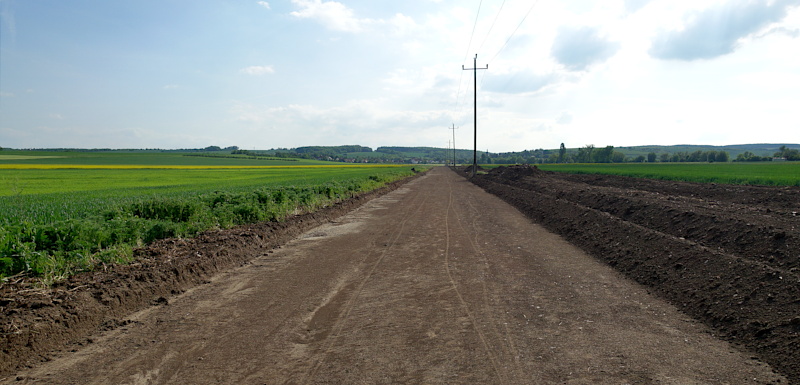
(338, 17)
(331, 14)
(258, 70)
(577, 48)
(791, 32)
(264, 4)
(718, 30)
(402, 24)
(367, 122)
(635, 5)
(517, 82)
(564, 118)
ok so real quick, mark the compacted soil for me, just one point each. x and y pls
(439, 281)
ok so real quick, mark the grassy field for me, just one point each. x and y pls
(757, 173)
(70, 213)
(144, 158)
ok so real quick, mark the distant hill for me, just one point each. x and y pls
(760, 149)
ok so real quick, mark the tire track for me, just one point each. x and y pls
(464, 304)
(330, 343)
(508, 349)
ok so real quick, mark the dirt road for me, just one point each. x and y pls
(436, 282)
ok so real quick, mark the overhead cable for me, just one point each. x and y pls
(515, 31)
(492, 26)
(461, 78)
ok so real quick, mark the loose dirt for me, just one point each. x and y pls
(435, 282)
(726, 255)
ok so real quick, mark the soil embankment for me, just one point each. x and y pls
(726, 255)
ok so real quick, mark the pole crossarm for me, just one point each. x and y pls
(474, 70)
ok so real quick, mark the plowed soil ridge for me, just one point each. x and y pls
(35, 323)
(726, 255)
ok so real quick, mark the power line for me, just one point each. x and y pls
(515, 31)
(461, 78)
(474, 25)
(492, 26)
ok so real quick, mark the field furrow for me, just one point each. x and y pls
(733, 267)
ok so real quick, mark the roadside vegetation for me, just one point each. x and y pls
(59, 219)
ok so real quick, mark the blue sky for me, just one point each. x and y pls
(288, 73)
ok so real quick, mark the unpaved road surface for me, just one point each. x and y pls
(436, 282)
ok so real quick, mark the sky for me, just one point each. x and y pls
(290, 73)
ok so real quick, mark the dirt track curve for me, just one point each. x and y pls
(435, 282)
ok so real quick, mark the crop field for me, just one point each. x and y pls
(144, 158)
(759, 173)
(59, 218)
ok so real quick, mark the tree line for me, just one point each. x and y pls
(592, 154)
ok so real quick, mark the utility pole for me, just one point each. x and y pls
(446, 151)
(454, 128)
(475, 107)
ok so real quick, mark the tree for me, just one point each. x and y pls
(603, 155)
(651, 157)
(745, 156)
(585, 154)
(639, 159)
(787, 153)
(618, 157)
(748, 156)
(664, 157)
(723, 156)
(697, 156)
(562, 153)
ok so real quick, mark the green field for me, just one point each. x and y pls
(758, 173)
(144, 158)
(63, 215)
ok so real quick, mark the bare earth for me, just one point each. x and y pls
(435, 282)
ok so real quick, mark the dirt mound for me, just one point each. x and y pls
(468, 169)
(726, 255)
(36, 322)
(516, 172)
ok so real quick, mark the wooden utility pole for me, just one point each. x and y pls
(475, 107)
(445, 153)
(454, 128)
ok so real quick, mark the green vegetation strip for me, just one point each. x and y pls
(763, 173)
(56, 222)
(220, 158)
